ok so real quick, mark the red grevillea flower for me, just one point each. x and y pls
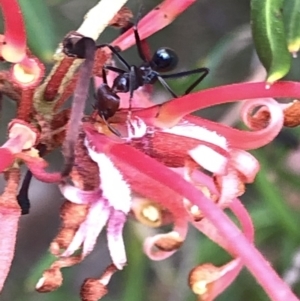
(176, 146)
(159, 138)
(188, 168)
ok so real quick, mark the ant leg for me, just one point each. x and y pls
(198, 81)
(114, 69)
(132, 86)
(166, 86)
(116, 53)
(104, 77)
(139, 44)
(203, 70)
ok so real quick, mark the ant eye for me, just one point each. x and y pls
(164, 59)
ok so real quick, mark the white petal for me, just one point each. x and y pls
(89, 230)
(95, 222)
(209, 159)
(115, 239)
(197, 132)
(113, 186)
(136, 128)
(230, 187)
(76, 241)
(245, 163)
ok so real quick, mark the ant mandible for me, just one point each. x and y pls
(134, 77)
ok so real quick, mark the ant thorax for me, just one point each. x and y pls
(147, 73)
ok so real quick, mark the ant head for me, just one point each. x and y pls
(107, 101)
(164, 59)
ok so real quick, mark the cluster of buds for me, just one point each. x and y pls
(165, 167)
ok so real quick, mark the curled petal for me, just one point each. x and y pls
(52, 277)
(168, 242)
(245, 163)
(115, 241)
(209, 159)
(94, 289)
(162, 246)
(230, 186)
(171, 112)
(275, 123)
(208, 281)
(50, 281)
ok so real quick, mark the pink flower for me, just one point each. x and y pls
(183, 145)
(167, 166)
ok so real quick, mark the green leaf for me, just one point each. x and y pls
(286, 217)
(291, 13)
(269, 37)
(40, 28)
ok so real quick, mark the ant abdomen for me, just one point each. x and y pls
(164, 59)
(107, 102)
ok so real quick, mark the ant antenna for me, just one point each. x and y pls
(112, 129)
(139, 13)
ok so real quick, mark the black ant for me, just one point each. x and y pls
(149, 72)
(132, 77)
